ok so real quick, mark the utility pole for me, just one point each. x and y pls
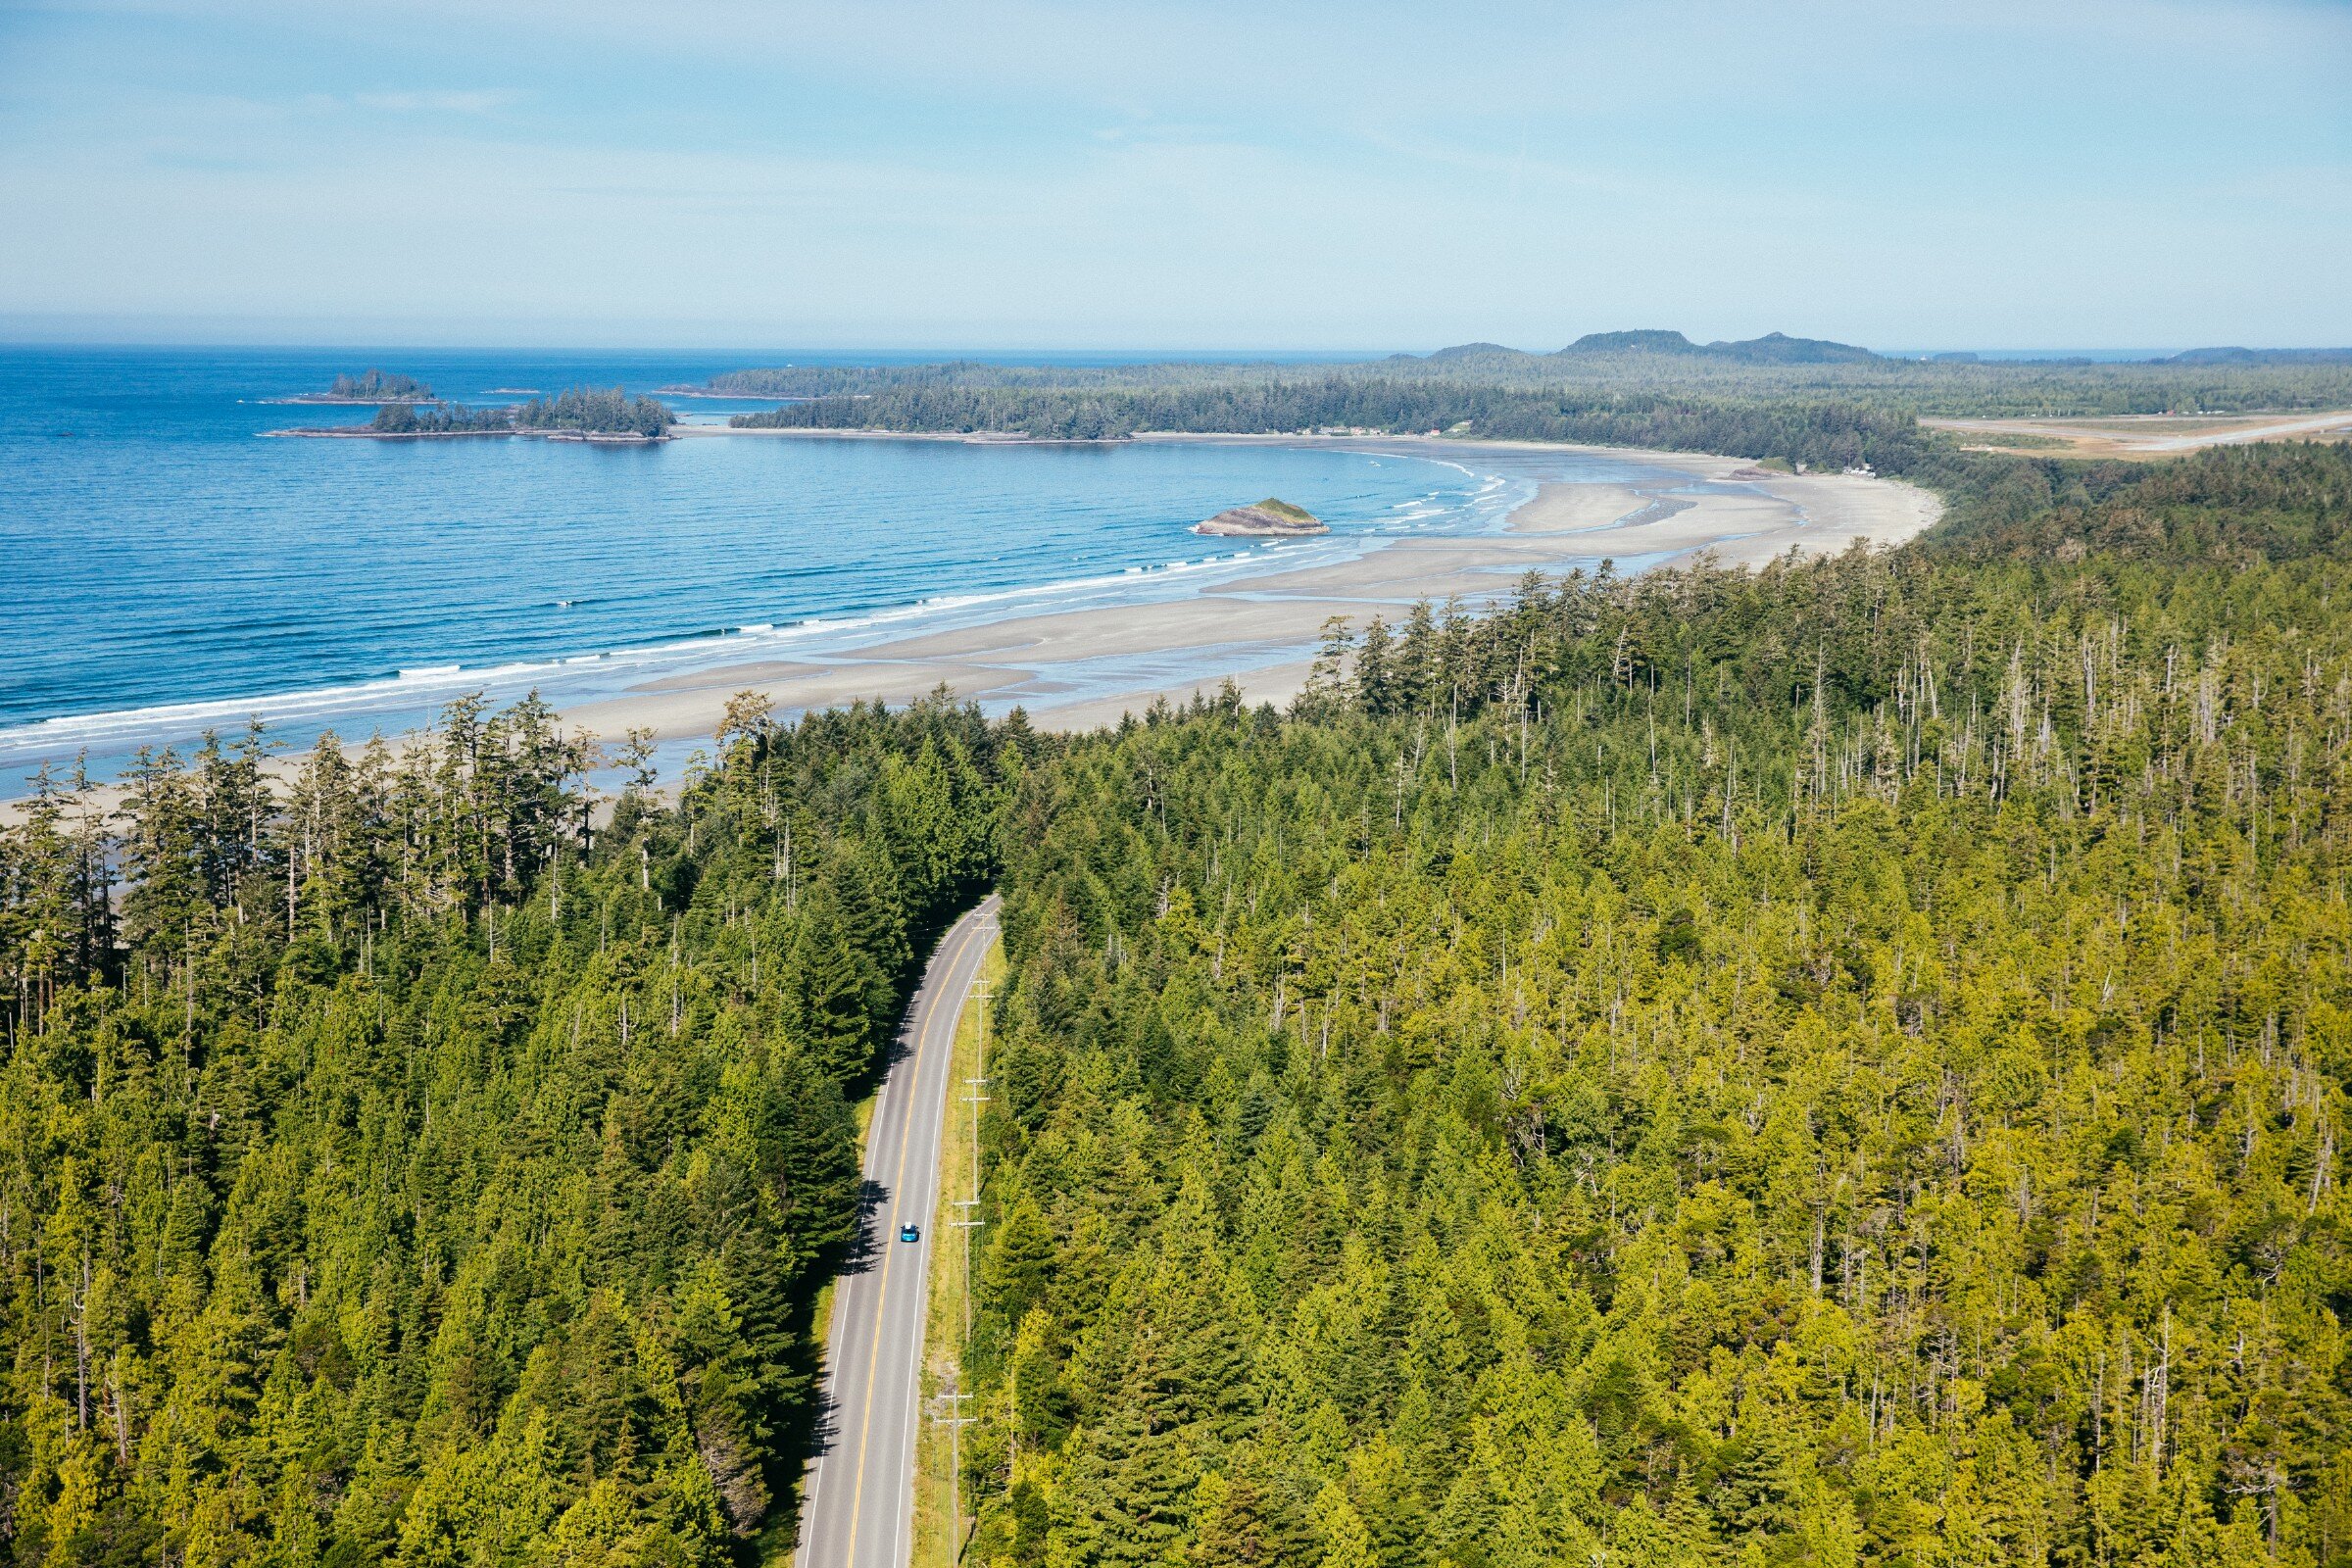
(976, 1083)
(955, 1421)
(975, 1099)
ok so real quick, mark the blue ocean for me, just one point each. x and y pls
(169, 570)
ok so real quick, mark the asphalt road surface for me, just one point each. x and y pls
(859, 1511)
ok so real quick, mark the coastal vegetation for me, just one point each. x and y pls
(1267, 518)
(1642, 365)
(1805, 402)
(1819, 433)
(580, 411)
(1842, 1063)
(440, 418)
(594, 411)
(377, 386)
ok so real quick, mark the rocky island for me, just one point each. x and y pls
(1267, 519)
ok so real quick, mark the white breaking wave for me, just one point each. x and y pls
(407, 698)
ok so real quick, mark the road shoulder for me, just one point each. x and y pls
(937, 1540)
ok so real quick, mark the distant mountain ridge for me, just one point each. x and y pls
(1773, 348)
(1779, 348)
(2237, 355)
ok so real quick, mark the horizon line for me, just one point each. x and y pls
(1140, 353)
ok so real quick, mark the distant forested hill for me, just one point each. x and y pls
(1773, 348)
(2261, 356)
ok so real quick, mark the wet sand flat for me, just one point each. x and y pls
(1075, 669)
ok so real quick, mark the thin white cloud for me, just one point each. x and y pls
(443, 102)
(1201, 171)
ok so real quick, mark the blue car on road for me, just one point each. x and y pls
(908, 1233)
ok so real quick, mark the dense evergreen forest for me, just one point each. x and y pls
(369, 386)
(1804, 401)
(1841, 1065)
(1818, 434)
(1629, 365)
(598, 411)
(1845, 1063)
(588, 410)
(441, 419)
(395, 1166)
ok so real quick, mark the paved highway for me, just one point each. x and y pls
(859, 1511)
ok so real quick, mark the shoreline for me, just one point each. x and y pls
(359, 432)
(323, 399)
(1076, 668)
(968, 438)
(722, 397)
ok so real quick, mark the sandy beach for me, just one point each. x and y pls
(1076, 669)
(1079, 668)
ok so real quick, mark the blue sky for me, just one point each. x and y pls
(2061, 173)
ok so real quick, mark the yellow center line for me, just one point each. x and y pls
(882, 1288)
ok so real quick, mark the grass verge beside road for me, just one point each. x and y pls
(938, 1534)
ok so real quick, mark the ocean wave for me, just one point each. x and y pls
(407, 697)
(421, 686)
